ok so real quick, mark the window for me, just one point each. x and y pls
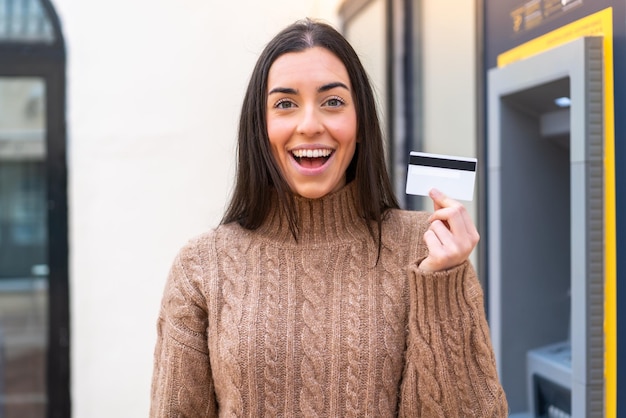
(34, 320)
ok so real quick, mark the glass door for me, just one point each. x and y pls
(23, 248)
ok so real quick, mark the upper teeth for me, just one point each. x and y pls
(311, 153)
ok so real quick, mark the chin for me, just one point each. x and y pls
(312, 192)
(316, 189)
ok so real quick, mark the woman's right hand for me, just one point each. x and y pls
(451, 236)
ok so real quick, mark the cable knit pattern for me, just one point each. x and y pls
(455, 337)
(257, 324)
(271, 356)
(352, 310)
(421, 360)
(233, 288)
(313, 367)
(393, 332)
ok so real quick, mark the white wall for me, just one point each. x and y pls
(449, 78)
(154, 90)
(449, 42)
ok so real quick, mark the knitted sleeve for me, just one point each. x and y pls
(181, 382)
(450, 368)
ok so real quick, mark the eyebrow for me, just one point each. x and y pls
(331, 86)
(322, 89)
(283, 90)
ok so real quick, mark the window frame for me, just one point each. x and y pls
(47, 61)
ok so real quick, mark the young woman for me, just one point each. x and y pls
(317, 296)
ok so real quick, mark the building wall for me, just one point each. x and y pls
(154, 90)
(449, 81)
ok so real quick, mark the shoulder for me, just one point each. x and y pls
(196, 262)
(403, 231)
(206, 244)
(205, 249)
(406, 219)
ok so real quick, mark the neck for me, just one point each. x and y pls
(329, 219)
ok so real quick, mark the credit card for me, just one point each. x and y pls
(453, 176)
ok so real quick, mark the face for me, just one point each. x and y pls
(311, 120)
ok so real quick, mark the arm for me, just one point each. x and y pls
(450, 369)
(182, 384)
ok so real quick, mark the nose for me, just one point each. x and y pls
(310, 123)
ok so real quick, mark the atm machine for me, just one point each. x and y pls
(545, 230)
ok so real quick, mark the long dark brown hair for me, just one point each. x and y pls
(258, 175)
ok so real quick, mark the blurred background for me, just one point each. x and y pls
(118, 125)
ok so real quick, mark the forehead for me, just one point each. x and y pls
(311, 66)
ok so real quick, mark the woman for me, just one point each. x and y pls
(317, 296)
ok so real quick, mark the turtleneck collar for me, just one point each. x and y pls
(333, 218)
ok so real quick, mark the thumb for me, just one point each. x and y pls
(437, 197)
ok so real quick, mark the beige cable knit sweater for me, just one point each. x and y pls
(255, 324)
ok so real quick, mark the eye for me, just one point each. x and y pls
(335, 101)
(284, 104)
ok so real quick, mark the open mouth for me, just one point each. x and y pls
(311, 158)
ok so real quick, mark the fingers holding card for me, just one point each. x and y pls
(452, 235)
